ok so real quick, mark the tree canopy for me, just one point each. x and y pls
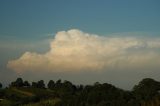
(64, 93)
(0, 85)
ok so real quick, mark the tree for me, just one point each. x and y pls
(146, 89)
(58, 83)
(80, 87)
(68, 86)
(40, 84)
(0, 85)
(17, 83)
(51, 84)
(34, 84)
(26, 84)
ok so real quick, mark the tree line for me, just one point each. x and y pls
(145, 93)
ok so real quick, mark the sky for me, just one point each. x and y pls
(83, 41)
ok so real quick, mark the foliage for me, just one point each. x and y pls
(17, 83)
(146, 89)
(49, 102)
(0, 85)
(146, 93)
(39, 84)
(6, 102)
(51, 84)
(26, 84)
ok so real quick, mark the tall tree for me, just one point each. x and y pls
(51, 84)
(0, 85)
(34, 84)
(26, 83)
(146, 89)
(18, 83)
(58, 83)
(40, 84)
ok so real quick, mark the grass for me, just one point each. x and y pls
(29, 96)
(23, 92)
(49, 102)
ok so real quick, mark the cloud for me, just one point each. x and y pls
(76, 51)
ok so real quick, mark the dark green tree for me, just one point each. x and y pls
(34, 84)
(40, 84)
(17, 83)
(0, 85)
(68, 86)
(26, 84)
(58, 83)
(146, 89)
(51, 84)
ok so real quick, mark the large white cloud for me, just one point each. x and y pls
(75, 50)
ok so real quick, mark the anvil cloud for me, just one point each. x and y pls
(76, 51)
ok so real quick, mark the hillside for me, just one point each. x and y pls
(145, 93)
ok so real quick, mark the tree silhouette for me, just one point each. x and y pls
(146, 93)
(26, 84)
(146, 89)
(34, 84)
(51, 84)
(17, 83)
(0, 85)
(40, 84)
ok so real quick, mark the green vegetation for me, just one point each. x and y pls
(0, 85)
(22, 93)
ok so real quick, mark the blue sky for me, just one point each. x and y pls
(29, 25)
(30, 19)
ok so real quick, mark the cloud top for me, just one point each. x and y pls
(76, 51)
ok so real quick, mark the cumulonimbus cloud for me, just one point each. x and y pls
(75, 50)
